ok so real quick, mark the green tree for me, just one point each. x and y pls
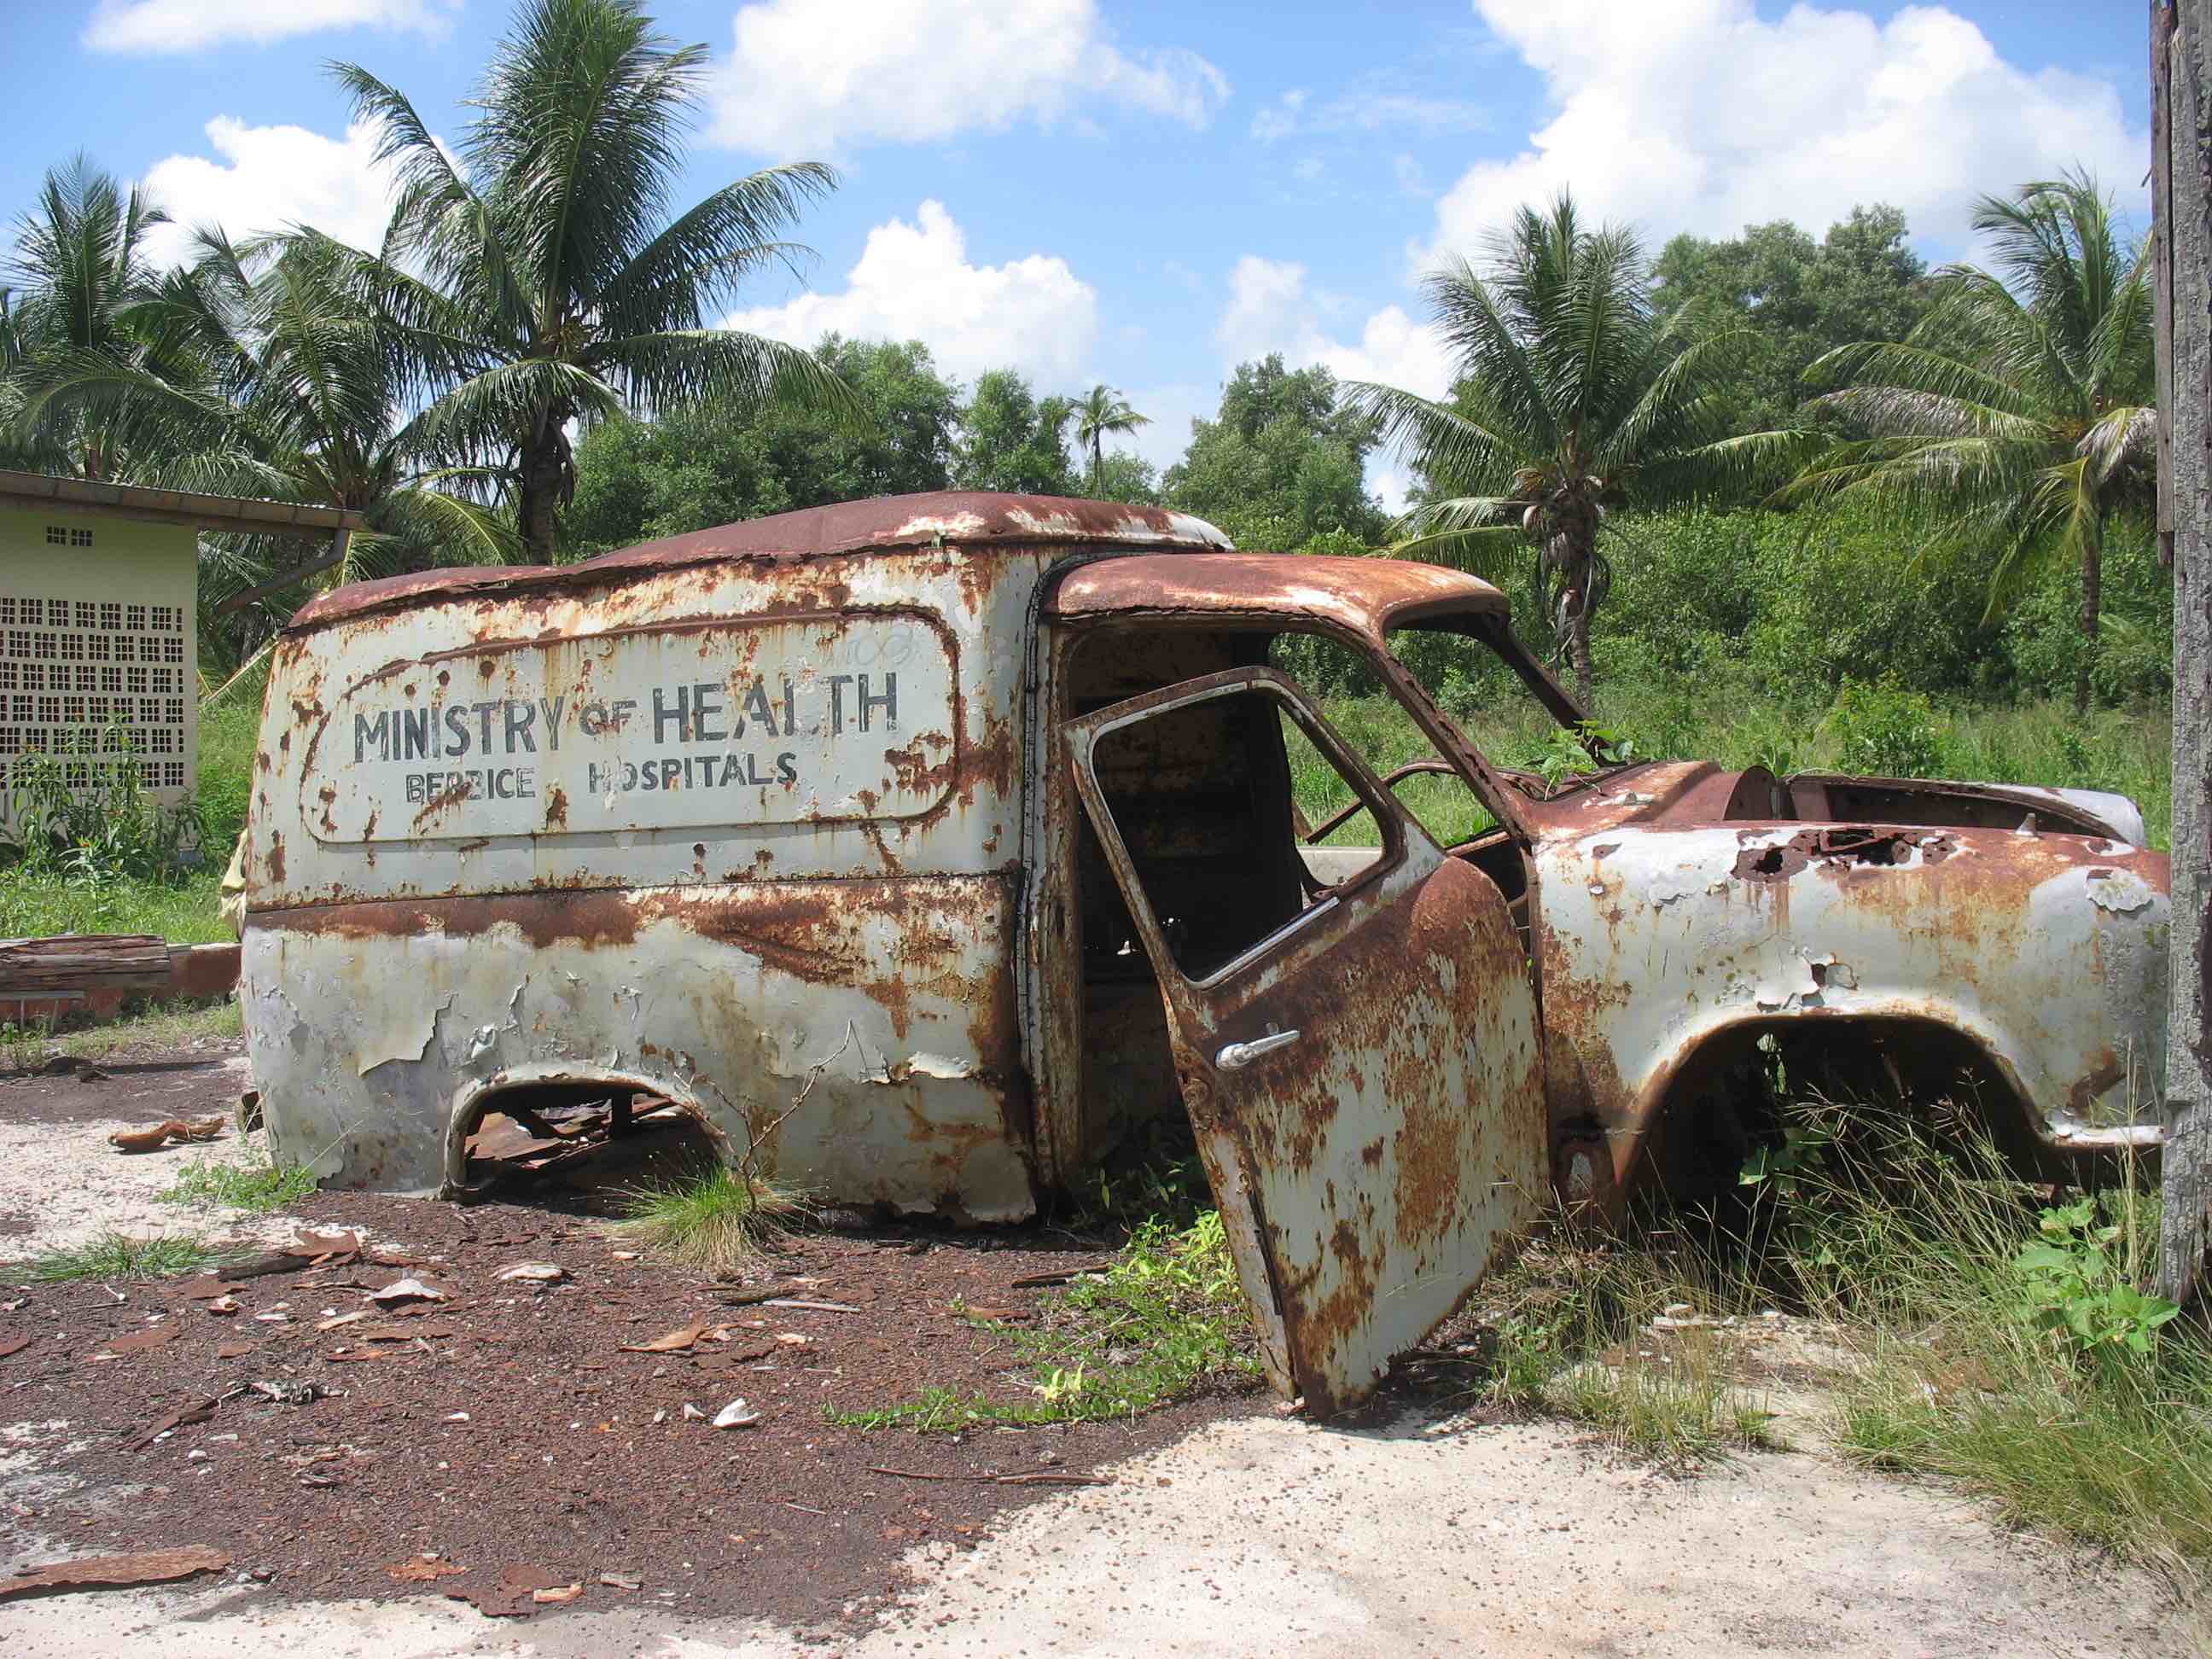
(1572, 399)
(710, 464)
(82, 276)
(1012, 439)
(2022, 412)
(553, 291)
(1127, 478)
(1100, 414)
(1283, 461)
(1795, 297)
(306, 402)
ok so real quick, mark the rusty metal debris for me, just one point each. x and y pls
(152, 1336)
(911, 853)
(404, 1290)
(423, 1570)
(512, 1595)
(114, 1571)
(183, 1131)
(199, 1412)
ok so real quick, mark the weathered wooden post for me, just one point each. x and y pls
(2181, 207)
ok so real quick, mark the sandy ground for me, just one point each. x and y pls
(1261, 1536)
(1253, 1535)
(62, 1185)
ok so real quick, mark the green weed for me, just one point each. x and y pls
(1574, 1339)
(260, 1186)
(719, 1220)
(1167, 1321)
(114, 1256)
(1998, 1339)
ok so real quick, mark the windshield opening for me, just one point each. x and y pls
(1530, 737)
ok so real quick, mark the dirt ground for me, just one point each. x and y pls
(506, 1431)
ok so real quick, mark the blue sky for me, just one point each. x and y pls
(1146, 194)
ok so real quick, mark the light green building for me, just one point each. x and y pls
(98, 621)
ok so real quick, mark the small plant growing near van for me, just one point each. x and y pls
(719, 1220)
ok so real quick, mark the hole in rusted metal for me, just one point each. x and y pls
(579, 1147)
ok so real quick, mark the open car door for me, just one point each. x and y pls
(1355, 1038)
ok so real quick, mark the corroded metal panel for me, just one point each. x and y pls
(377, 1029)
(2046, 951)
(746, 824)
(1366, 1083)
(811, 720)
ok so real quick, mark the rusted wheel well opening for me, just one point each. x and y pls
(578, 1147)
(1727, 1103)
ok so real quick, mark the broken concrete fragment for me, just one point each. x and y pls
(531, 1273)
(407, 1290)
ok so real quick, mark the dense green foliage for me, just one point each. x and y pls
(1281, 464)
(2020, 415)
(714, 463)
(1574, 399)
(1796, 300)
(1012, 439)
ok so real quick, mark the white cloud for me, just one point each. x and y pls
(1699, 115)
(1280, 118)
(804, 78)
(1271, 309)
(156, 25)
(1373, 101)
(913, 282)
(269, 178)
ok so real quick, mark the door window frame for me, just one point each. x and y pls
(1402, 834)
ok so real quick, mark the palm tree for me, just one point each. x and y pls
(2022, 412)
(81, 262)
(1101, 413)
(306, 391)
(536, 275)
(1570, 399)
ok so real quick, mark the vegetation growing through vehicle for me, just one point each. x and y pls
(719, 1220)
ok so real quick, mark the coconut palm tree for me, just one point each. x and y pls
(2021, 412)
(304, 397)
(1570, 400)
(1102, 413)
(536, 274)
(81, 268)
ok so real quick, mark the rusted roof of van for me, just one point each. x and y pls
(1369, 596)
(971, 519)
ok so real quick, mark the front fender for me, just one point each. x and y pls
(2048, 953)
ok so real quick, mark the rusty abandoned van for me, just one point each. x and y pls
(924, 847)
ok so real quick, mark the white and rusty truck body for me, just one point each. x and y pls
(965, 822)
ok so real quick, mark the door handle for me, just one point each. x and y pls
(1235, 1056)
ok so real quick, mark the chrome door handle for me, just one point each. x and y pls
(1235, 1056)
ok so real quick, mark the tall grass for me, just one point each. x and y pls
(2073, 1409)
(718, 1220)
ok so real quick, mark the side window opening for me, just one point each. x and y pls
(1201, 798)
